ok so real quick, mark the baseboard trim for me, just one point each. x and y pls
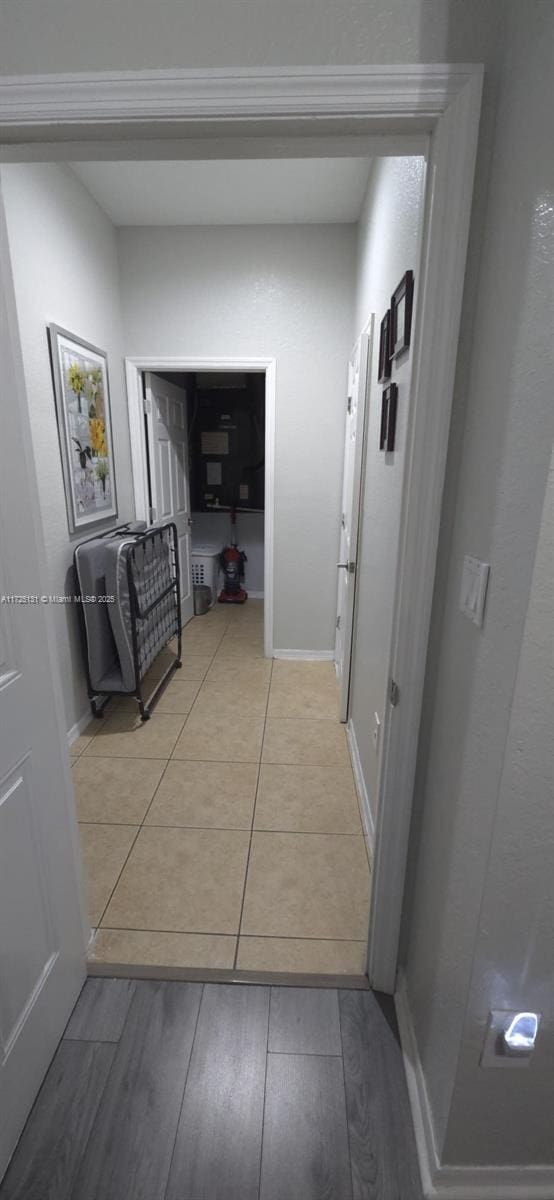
(449, 1182)
(363, 796)
(255, 595)
(77, 729)
(306, 655)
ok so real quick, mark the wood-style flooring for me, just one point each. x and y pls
(185, 1091)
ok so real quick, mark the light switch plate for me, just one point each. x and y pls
(473, 592)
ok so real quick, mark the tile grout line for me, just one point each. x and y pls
(167, 761)
(224, 828)
(193, 705)
(107, 904)
(211, 933)
(187, 715)
(162, 758)
(230, 934)
(252, 822)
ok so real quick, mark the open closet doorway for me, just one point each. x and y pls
(202, 439)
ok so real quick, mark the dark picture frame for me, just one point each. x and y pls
(385, 363)
(401, 309)
(389, 403)
(83, 412)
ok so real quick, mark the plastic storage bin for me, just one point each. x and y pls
(202, 599)
(205, 568)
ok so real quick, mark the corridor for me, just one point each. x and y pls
(223, 837)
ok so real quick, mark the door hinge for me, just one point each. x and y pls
(152, 514)
(338, 622)
(394, 693)
(349, 405)
(147, 405)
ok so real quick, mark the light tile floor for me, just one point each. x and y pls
(224, 834)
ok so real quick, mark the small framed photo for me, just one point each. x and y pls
(384, 371)
(389, 402)
(401, 306)
(81, 392)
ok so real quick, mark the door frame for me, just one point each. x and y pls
(134, 368)
(365, 342)
(244, 113)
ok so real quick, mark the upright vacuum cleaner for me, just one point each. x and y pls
(231, 561)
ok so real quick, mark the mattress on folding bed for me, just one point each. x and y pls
(101, 651)
(152, 573)
(103, 662)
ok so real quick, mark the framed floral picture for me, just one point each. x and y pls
(81, 391)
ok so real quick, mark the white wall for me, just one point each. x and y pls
(284, 292)
(74, 35)
(481, 848)
(514, 928)
(64, 261)
(388, 245)
(215, 528)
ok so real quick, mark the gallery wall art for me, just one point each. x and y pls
(81, 390)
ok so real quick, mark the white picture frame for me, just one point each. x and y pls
(82, 396)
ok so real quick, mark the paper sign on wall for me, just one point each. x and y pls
(215, 442)
(213, 474)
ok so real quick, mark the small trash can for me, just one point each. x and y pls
(202, 599)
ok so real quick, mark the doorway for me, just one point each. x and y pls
(443, 103)
(205, 435)
(215, 482)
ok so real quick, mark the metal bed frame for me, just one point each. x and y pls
(137, 613)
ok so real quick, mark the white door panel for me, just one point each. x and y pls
(42, 932)
(22, 891)
(356, 416)
(168, 438)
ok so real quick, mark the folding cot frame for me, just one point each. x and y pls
(136, 613)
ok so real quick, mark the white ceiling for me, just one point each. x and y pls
(278, 191)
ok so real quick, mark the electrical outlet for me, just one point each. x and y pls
(376, 732)
(501, 1048)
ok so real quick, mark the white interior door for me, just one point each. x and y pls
(166, 406)
(358, 369)
(42, 930)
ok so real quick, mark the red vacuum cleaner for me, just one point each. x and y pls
(231, 561)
